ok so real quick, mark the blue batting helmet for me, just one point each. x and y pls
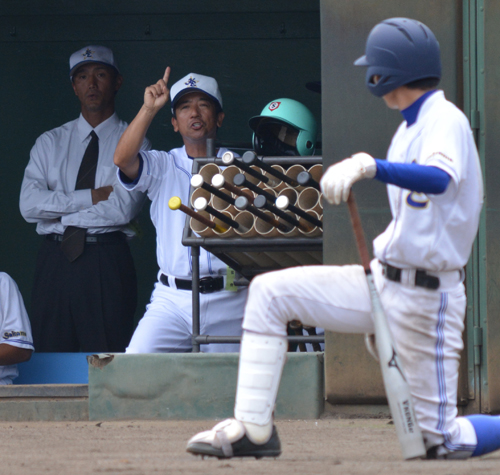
(400, 51)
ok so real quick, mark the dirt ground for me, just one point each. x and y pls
(326, 446)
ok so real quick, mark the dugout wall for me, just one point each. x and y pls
(257, 50)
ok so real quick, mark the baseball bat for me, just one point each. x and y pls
(219, 181)
(228, 158)
(261, 202)
(242, 203)
(283, 203)
(305, 179)
(197, 181)
(240, 180)
(250, 158)
(175, 203)
(396, 387)
(201, 204)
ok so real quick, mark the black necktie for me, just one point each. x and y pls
(73, 241)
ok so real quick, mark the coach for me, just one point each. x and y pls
(85, 291)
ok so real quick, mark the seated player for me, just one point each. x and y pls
(16, 343)
(287, 127)
(435, 191)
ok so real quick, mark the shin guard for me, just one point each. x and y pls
(262, 358)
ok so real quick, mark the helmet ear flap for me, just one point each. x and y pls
(257, 144)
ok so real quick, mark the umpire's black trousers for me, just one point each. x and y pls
(86, 305)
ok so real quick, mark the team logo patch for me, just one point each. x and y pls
(191, 82)
(13, 333)
(274, 105)
(417, 200)
(442, 155)
(88, 53)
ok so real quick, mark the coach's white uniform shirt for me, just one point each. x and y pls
(167, 323)
(48, 195)
(434, 232)
(167, 174)
(15, 329)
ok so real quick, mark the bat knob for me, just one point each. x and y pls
(282, 202)
(174, 203)
(197, 181)
(259, 201)
(241, 202)
(200, 203)
(239, 179)
(228, 158)
(218, 181)
(303, 178)
(250, 158)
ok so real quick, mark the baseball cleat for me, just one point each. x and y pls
(229, 439)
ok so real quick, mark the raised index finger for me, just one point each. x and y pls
(167, 74)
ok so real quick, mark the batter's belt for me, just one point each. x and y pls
(421, 278)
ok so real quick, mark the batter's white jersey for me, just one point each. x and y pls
(15, 329)
(434, 232)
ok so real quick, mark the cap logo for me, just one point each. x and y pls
(274, 105)
(88, 53)
(191, 82)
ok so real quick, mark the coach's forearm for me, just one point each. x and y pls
(126, 154)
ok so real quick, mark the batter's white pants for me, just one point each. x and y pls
(426, 326)
(167, 325)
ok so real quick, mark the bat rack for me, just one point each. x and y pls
(250, 256)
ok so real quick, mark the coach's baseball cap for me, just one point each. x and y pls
(92, 54)
(195, 82)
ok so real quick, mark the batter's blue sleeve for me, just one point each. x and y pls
(414, 177)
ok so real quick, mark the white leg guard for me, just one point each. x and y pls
(262, 358)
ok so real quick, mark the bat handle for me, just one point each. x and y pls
(358, 233)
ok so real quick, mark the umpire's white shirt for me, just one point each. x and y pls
(48, 195)
(167, 174)
(15, 329)
(434, 232)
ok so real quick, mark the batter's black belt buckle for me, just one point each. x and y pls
(422, 279)
(207, 284)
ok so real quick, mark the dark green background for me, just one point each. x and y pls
(257, 50)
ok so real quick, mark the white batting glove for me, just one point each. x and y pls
(337, 181)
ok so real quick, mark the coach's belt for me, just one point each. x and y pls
(207, 284)
(115, 236)
(422, 278)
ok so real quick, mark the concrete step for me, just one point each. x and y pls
(44, 402)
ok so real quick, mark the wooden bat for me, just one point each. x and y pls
(396, 386)
(201, 204)
(175, 203)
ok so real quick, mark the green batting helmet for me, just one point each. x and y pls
(284, 127)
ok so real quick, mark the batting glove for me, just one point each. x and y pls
(338, 179)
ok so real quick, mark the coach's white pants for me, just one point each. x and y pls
(166, 327)
(426, 326)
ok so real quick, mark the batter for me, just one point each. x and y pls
(435, 193)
